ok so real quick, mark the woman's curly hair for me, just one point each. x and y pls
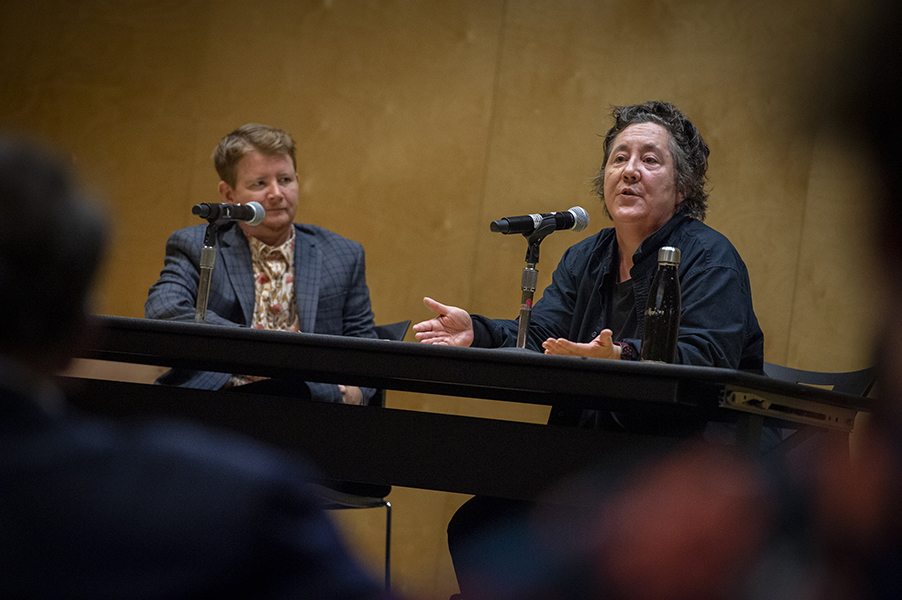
(689, 151)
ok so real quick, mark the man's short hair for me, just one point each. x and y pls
(249, 138)
(52, 239)
(689, 151)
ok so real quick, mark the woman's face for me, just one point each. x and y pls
(640, 179)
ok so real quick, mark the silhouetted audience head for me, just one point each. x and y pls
(52, 238)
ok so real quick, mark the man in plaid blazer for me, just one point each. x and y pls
(320, 289)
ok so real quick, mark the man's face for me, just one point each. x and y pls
(639, 179)
(271, 181)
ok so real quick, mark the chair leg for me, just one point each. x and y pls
(387, 546)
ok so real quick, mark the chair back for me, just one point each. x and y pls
(857, 383)
(394, 332)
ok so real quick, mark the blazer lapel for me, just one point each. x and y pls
(239, 266)
(307, 269)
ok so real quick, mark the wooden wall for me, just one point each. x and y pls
(419, 122)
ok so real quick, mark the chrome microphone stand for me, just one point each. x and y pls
(207, 262)
(216, 215)
(530, 275)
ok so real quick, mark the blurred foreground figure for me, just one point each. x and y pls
(94, 510)
(687, 527)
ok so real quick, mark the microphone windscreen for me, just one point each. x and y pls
(259, 213)
(581, 217)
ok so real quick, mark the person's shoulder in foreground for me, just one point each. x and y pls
(163, 510)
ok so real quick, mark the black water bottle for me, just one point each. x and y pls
(662, 311)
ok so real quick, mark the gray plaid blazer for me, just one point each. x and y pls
(330, 288)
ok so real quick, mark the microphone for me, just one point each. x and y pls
(576, 219)
(252, 212)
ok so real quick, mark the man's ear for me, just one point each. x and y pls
(226, 192)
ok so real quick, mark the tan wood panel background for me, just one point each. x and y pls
(420, 122)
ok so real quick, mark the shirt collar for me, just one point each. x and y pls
(648, 247)
(264, 251)
(652, 243)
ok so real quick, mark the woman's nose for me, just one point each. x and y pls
(631, 171)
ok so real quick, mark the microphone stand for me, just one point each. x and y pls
(216, 215)
(207, 261)
(531, 276)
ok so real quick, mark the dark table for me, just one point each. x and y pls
(431, 450)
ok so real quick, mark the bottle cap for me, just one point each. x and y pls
(669, 255)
